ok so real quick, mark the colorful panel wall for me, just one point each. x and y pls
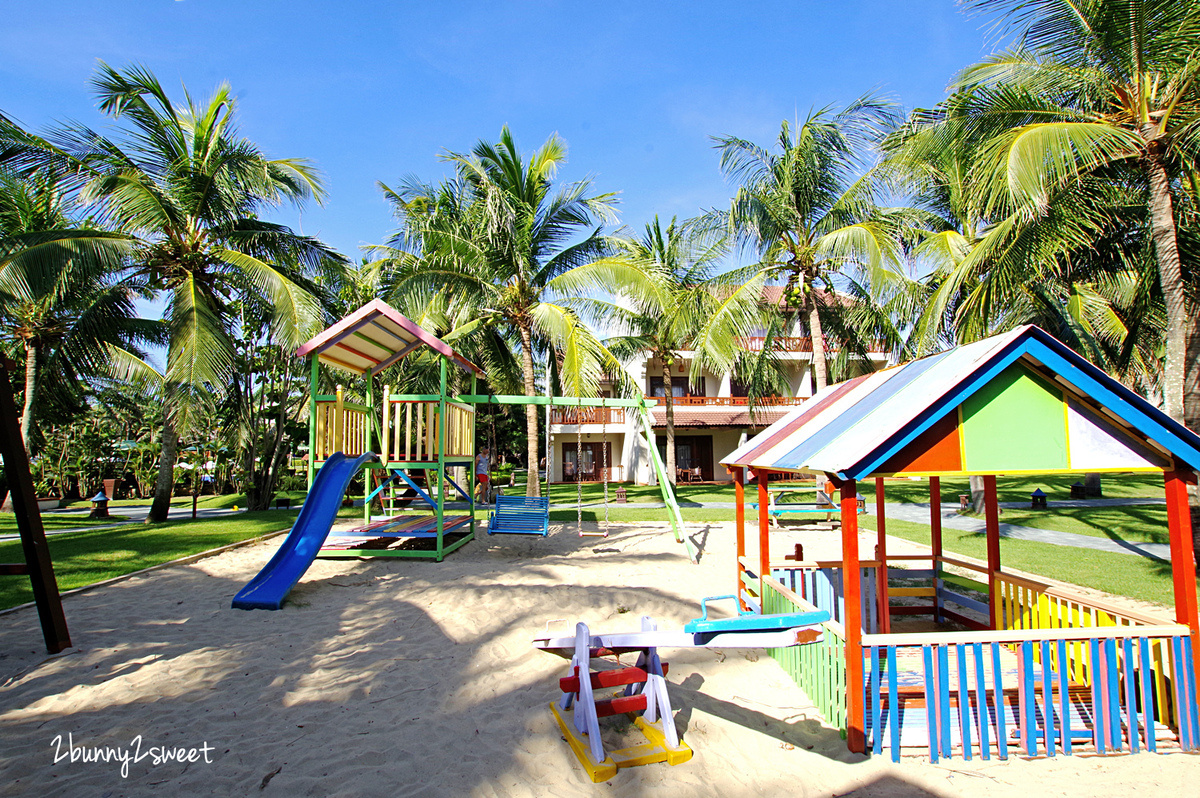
(1017, 422)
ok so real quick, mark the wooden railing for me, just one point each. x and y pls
(725, 401)
(587, 415)
(784, 344)
(411, 430)
(820, 668)
(977, 691)
(340, 427)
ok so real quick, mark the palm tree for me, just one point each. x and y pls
(1097, 87)
(184, 182)
(505, 250)
(683, 304)
(60, 304)
(809, 210)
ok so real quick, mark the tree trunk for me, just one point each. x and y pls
(669, 401)
(1092, 487)
(533, 485)
(977, 494)
(165, 486)
(1170, 276)
(819, 367)
(31, 365)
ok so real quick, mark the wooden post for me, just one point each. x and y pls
(440, 442)
(881, 570)
(385, 432)
(764, 531)
(935, 542)
(992, 513)
(739, 492)
(852, 620)
(38, 564)
(314, 371)
(1183, 561)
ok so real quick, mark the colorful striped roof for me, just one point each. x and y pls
(1021, 402)
(374, 337)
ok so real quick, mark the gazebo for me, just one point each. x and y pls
(1032, 665)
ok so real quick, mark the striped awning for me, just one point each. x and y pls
(375, 337)
(1021, 402)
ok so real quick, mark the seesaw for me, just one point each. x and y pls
(645, 686)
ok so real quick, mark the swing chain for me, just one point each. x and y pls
(604, 457)
(579, 465)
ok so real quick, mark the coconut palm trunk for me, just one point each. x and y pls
(164, 488)
(819, 366)
(1191, 415)
(669, 401)
(1166, 252)
(533, 485)
(31, 366)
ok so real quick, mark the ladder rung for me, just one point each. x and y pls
(620, 705)
(617, 677)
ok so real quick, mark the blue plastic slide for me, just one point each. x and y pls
(267, 590)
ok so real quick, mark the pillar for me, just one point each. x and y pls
(881, 571)
(739, 492)
(1183, 560)
(991, 510)
(935, 542)
(852, 621)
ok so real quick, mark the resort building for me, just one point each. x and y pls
(712, 418)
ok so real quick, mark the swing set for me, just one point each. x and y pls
(420, 439)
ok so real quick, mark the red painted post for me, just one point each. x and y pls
(881, 570)
(739, 489)
(991, 510)
(764, 530)
(1183, 561)
(852, 621)
(935, 537)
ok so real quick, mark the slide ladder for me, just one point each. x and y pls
(578, 712)
(268, 590)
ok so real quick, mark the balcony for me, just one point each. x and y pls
(725, 401)
(790, 344)
(587, 415)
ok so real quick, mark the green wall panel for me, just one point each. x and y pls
(1015, 423)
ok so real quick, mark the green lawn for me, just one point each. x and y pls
(81, 558)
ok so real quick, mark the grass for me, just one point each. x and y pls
(82, 558)
(1120, 574)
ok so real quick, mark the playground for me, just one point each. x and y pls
(394, 676)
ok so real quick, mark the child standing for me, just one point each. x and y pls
(482, 477)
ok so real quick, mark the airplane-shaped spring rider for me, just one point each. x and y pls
(645, 684)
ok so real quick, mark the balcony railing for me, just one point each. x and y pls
(783, 344)
(800, 344)
(725, 401)
(587, 415)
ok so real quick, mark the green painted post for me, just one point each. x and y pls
(314, 369)
(471, 467)
(441, 460)
(368, 445)
(660, 470)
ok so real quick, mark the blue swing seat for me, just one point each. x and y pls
(520, 515)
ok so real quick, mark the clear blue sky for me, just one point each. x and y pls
(374, 91)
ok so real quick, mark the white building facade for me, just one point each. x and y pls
(712, 418)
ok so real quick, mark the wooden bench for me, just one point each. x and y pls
(520, 515)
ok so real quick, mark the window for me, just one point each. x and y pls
(679, 387)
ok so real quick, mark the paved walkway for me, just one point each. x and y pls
(916, 513)
(919, 514)
(135, 513)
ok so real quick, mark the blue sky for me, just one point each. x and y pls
(375, 91)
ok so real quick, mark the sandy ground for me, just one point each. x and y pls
(417, 678)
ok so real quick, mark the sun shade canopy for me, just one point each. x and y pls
(1021, 402)
(374, 337)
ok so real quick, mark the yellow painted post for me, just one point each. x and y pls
(385, 432)
(339, 423)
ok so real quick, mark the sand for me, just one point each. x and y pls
(417, 678)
